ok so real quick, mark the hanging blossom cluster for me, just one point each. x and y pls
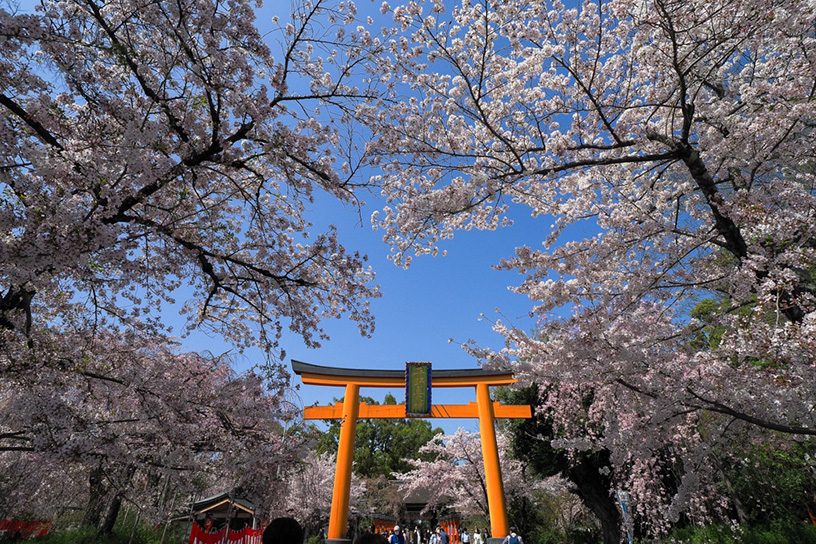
(306, 493)
(669, 147)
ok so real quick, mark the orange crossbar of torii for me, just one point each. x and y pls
(351, 409)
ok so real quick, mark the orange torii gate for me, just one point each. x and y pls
(351, 409)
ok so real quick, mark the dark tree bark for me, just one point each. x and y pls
(97, 496)
(594, 489)
(110, 517)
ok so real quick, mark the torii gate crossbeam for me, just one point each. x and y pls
(350, 410)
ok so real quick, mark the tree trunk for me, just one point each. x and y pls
(740, 510)
(110, 518)
(593, 488)
(97, 492)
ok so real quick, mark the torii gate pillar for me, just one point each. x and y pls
(490, 453)
(350, 410)
(338, 520)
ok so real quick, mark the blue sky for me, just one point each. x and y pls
(423, 307)
(436, 299)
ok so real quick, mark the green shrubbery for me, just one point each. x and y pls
(76, 536)
(176, 534)
(798, 533)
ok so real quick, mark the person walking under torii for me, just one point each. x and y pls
(513, 537)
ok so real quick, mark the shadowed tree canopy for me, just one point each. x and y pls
(588, 471)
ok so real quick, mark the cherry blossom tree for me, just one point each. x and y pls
(307, 491)
(31, 481)
(148, 147)
(124, 424)
(669, 145)
(456, 473)
(149, 151)
(590, 473)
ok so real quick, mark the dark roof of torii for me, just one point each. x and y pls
(299, 367)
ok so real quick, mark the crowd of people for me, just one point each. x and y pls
(418, 535)
(289, 531)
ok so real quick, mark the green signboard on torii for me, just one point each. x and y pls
(417, 389)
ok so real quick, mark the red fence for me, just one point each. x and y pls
(24, 529)
(451, 526)
(247, 536)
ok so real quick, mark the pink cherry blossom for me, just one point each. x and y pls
(666, 148)
(153, 152)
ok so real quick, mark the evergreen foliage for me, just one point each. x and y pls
(381, 446)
